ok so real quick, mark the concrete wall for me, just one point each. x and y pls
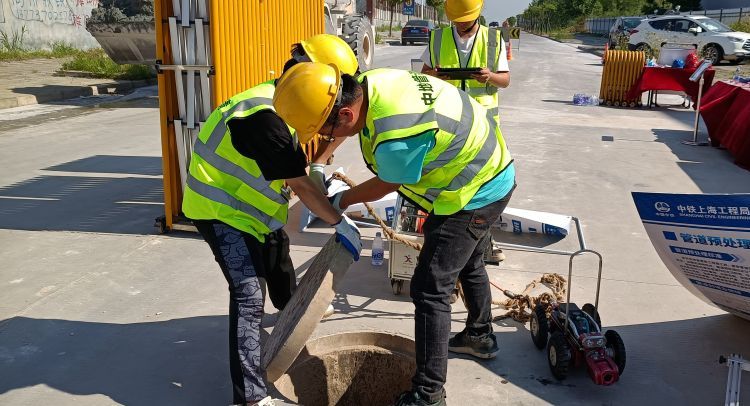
(48, 21)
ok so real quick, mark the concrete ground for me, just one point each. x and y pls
(99, 310)
(36, 81)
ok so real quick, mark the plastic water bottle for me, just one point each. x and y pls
(580, 99)
(377, 250)
(737, 75)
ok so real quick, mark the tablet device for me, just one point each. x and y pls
(458, 73)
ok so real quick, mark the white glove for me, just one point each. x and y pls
(348, 234)
(318, 177)
(336, 201)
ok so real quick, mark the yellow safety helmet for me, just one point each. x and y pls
(305, 96)
(461, 11)
(326, 48)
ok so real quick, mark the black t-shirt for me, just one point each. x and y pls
(265, 138)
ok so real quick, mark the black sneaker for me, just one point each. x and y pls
(413, 398)
(479, 346)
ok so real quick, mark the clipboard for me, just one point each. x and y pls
(458, 73)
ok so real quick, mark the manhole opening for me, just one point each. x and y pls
(362, 368)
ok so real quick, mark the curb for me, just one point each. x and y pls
(93, 90)
(593, 50)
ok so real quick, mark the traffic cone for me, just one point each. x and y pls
(604, 55)
(509, 50)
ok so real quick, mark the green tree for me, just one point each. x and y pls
(482, 20)
(439, 6)
(512, 21)
(393, 5)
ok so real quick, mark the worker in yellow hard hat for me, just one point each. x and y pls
(443, 152)
(236, 196)
(467, 44)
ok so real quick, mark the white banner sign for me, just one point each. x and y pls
(704, 240)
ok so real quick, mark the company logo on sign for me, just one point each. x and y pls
(662, 207)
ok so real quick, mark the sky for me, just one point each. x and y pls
(499, 10)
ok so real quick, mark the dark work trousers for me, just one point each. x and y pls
(248, 265)
(453, 248)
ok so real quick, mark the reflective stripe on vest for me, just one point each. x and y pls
(485, 52)
(224, 185)
(469, 150)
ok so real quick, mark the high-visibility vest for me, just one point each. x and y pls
(224, 185)
(469, 149)
(485, 52)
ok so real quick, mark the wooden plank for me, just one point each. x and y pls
(305, 309)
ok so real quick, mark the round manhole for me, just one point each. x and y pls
(357, 368)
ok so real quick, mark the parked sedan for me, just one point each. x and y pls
(416, 31)
(714, 40)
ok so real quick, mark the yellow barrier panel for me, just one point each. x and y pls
(248, 43)
(621, 70)
(251, 39)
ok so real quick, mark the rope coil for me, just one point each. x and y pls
(519, 305)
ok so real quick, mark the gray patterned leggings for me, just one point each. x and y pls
(247, 264)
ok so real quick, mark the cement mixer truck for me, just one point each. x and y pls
(127, 33)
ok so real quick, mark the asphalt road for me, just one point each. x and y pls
(99, 310)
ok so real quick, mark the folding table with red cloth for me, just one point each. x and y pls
(657, 78)
(725, 109)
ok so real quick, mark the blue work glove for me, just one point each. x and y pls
(348, 235)
(336, 201)
(318, 177)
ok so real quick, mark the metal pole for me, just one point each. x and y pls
(694, 141)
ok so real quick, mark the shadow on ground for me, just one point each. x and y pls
(687, 373)
(712, 169)
(107, 204)
(184, 361)
(180, 361)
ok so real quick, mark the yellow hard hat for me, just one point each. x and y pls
(305, 96)
(326, 48)
(462, 11)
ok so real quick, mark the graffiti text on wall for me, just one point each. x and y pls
(53, 11)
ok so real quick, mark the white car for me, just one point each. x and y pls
(714, 40)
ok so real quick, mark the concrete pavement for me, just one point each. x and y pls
(38, 81)
(98, 310)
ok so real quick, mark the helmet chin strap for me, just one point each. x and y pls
(468, 30)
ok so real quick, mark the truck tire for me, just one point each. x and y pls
(357, 32)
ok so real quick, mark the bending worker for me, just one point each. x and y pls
(236, 197)
(443, 152)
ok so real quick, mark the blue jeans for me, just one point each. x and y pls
(453, 249)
